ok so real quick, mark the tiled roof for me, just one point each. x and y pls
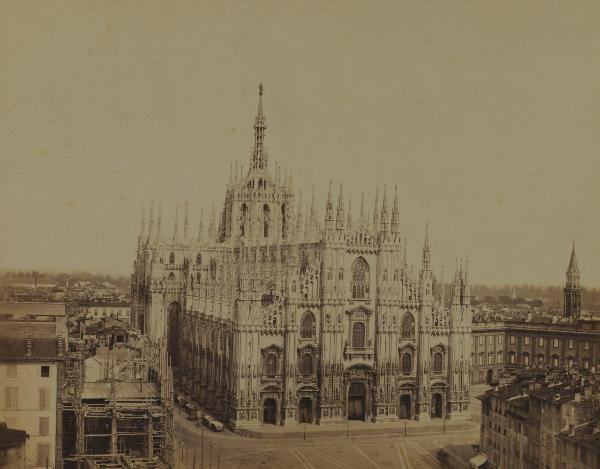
(585, 436)
(18, 309)
(42, 349)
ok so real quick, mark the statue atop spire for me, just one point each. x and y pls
(186, 222)
(426, 251)
(176, 225)
(395, 212)
(142, 227)
(349, 218)
(201, 226)
(328, 209)
(340, 217)
(259, 154)
(151, 222)
(212, 229)
(376, 213)
(158, 234)
(384, 212)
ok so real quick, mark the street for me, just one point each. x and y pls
(417, 450)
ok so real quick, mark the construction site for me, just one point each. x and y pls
(117, 407)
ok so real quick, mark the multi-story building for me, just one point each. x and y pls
(579, 448)
(276, 318)
(94, 310)
(32, 352)
(532, 423)
(508, 345)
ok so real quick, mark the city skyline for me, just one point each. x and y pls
(500, 160)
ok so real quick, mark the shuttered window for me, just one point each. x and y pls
(11, 370)
(43, 453)
(44, 397)
(10, 395)
(44, 426)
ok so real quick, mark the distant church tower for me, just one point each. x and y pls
(573, 289)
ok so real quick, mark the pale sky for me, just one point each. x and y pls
(486, 115)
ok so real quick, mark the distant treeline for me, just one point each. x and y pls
(31, 276)
(552, 295)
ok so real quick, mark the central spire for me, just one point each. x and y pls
(259, 155)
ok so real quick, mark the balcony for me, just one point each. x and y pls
(359, 353)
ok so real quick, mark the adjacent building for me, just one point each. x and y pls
(504, 346)
(32, 354)
(94, 310)
(275, 315)
(546, 419)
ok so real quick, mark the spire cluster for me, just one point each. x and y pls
(461, 289)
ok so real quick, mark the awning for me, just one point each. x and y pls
(478, 460)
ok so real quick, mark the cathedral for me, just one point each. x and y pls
(276, 315)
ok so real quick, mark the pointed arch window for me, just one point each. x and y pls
(172, 258)
(358, 335)
(271, 365)
(308, 328)
(406, 362)
(283, 221)
(408, 326)
(360, 279)
(244, 215)
(199, 259)
(437, 362)
(266, 213)
(306, 365)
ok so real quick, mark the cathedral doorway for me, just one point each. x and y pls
(305, 410)
(405, 407)
(357, 405)
(490, 376)
(436, 406)
(270, 411)
(173, 334)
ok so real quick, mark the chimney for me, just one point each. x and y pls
(59, 341)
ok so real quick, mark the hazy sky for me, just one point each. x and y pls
(486, 115)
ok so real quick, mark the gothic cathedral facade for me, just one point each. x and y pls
(276, 316)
